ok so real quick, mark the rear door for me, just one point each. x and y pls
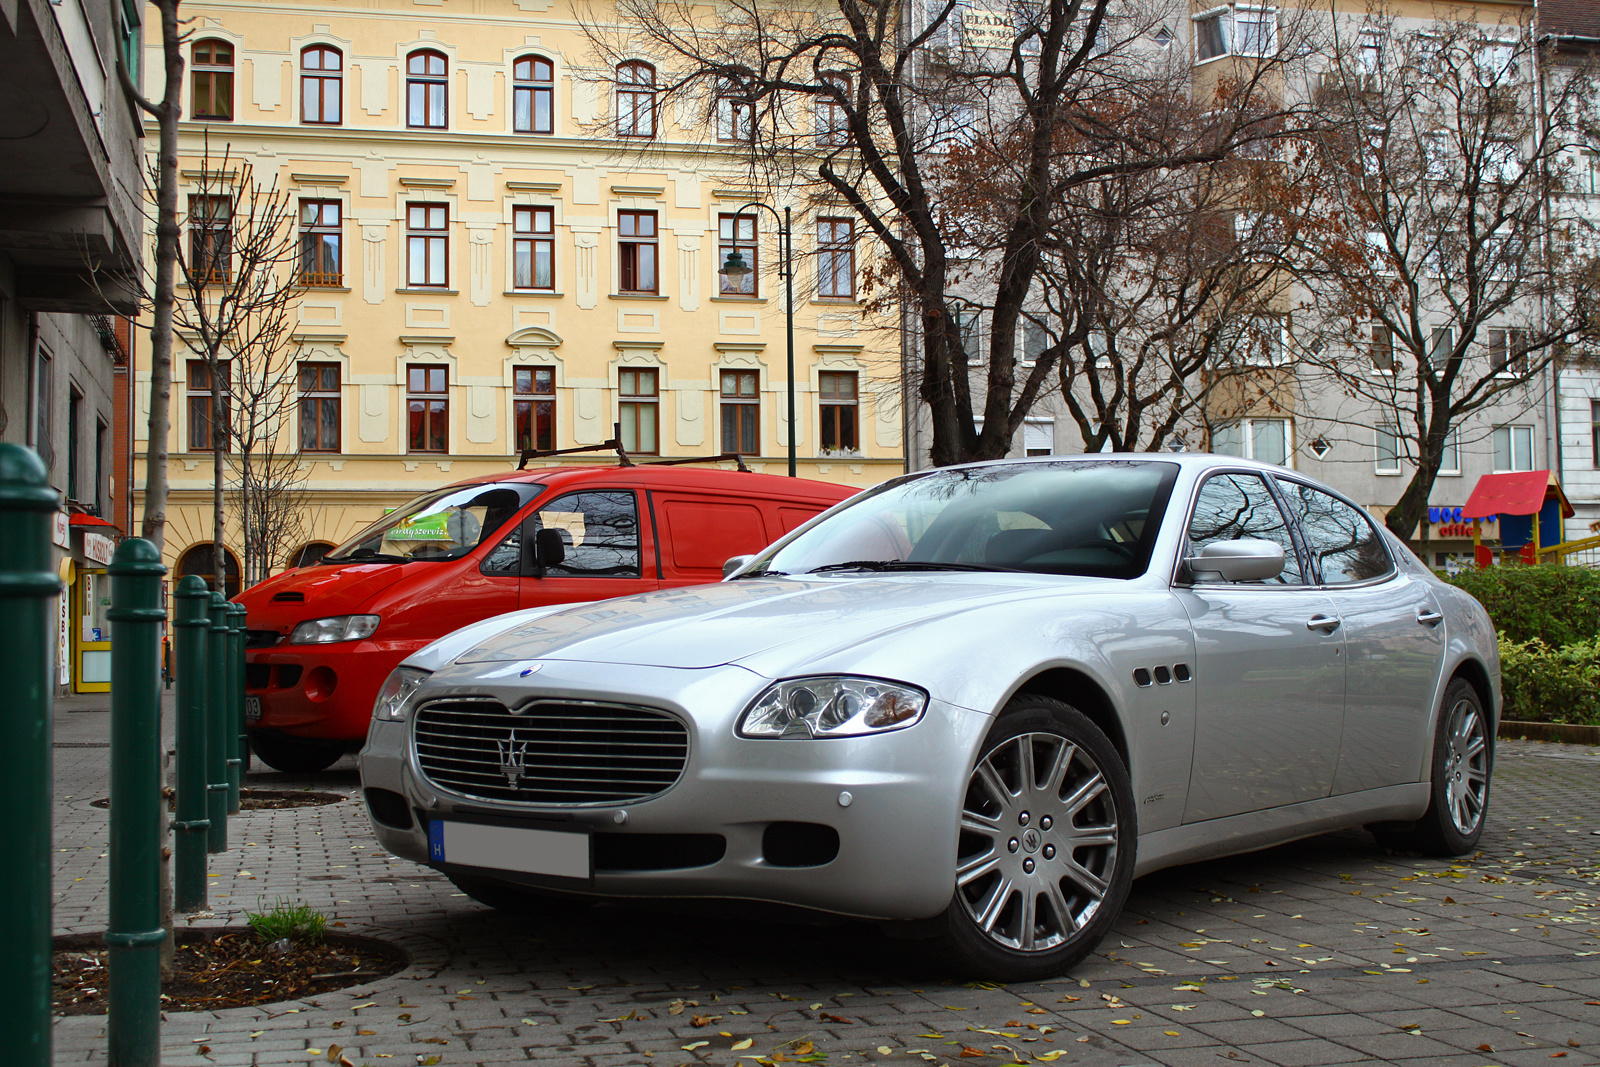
(699, 532)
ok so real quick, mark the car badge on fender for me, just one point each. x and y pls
(513, 758)
(532, 670)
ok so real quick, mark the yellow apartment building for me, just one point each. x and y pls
(505, 245)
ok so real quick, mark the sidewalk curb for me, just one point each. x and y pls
(1570, 733)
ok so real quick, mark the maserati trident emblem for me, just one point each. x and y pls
(513, 758)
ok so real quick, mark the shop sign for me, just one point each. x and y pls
(64, 637)
(61, 531)
(1447, 522)
(98, 547)
(985, 30)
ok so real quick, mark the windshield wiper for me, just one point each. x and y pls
(367, 556)
(903, 565)
(762, 574)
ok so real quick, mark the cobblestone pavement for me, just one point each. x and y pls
(1322, 952)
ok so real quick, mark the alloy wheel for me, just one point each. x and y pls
(1039, 839)
(1467, 770)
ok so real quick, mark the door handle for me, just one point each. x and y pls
(1428, 617)
(1326, 623)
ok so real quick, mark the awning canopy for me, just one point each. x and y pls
(1514, 493)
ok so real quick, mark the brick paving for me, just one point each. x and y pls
(1323, 952)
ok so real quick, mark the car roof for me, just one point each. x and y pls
(1189, 460)
(648, 475)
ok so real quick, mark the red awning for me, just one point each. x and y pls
(78, 518)
(1516, 493)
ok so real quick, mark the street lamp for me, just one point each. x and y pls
(734, 267)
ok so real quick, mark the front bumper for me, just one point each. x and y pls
(894, 799)
(321, 691)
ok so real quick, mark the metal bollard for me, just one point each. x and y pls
(27, 584)
(189, 655)
(134, 936)
(237, 749)
(218, 725)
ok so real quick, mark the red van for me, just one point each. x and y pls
(321, 639)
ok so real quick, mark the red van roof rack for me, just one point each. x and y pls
(623, 460)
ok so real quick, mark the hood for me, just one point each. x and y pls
(317, 592)
(711, 625)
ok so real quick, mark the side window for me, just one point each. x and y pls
(506, 557)
(1341, 539)
(1235, 506)
(601, 532)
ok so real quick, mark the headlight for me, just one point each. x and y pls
(394, 699)
(337, 628)
(832, 707)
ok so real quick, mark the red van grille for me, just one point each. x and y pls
(550, 752)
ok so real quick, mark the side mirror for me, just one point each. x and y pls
(1245, 560)
(549, 548)
(734, 565)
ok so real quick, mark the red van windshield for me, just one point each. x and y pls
(441, 525)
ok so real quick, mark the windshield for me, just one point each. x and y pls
(1096, 517)
(444, 524)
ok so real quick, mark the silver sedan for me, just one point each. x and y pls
(975, 702)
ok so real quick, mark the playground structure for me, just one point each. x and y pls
(1530, 506)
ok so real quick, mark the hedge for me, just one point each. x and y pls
(1556, 605)
(1545, 684)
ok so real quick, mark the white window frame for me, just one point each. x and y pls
(1452, 448)
(1039, 429)
(1512, 433)
(1386, 461)
(1279, 354)
(1228, 19)
(1247, 438)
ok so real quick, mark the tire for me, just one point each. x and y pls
(1463, 763)
(294, 756)
(517, 899)
(1044, 860)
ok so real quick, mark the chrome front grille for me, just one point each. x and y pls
(551, 752)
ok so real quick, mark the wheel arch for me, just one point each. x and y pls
(1477, 675)
(1082, 691)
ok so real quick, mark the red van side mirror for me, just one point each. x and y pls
(550, 548)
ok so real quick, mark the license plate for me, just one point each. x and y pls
(510, 848)
(252, 709)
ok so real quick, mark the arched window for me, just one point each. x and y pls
(211, 80)
(636, 99)
(427, 91)
(533, 93)
(321, 85)
(309, 555)
(197, 560)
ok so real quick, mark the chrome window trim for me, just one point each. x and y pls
(1394, 567)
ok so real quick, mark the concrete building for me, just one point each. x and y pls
(69, 254)
(507, 244)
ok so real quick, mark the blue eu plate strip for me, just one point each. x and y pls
(436, 840)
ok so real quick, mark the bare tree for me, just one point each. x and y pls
(862, 102)
(240, 295)
(1153, 300)
(166, 113)
(1436, 282)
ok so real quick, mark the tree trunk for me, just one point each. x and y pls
(221, 425)
(167, 112)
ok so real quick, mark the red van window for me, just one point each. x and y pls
(793, 518)
(701, 535)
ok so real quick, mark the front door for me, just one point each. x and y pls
(606, 551)
(1269, 666)
(1393, 637)
(91, 642)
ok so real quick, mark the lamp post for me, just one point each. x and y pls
(735, 267)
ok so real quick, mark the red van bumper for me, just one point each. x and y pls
(321, 691)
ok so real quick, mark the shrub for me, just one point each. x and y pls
(1557, 605)
(294, 922)
(1544, 684)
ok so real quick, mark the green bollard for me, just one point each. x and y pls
(219, 725)
(134, 934)
(28, 583)
(189, 656)
(238, 748)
